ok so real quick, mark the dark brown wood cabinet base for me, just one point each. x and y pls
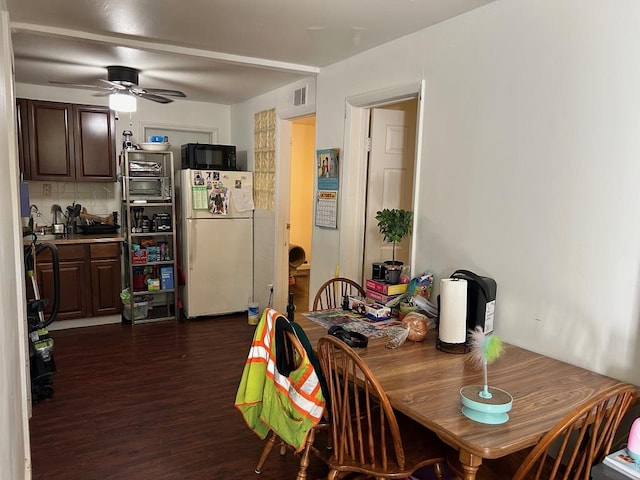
(105, 279)
(89, 280)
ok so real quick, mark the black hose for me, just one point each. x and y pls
(56, 280)
(29, 263)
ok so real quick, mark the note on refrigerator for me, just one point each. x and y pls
(243, 197)
(199, 197)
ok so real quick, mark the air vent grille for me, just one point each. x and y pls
(300, 97)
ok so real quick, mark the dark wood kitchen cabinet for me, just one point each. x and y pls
(67, 142)
(89, 279)
(105, 279)
(74, 300)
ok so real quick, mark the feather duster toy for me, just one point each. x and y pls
(485, 349)
(482, 403)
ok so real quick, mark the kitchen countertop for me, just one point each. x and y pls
(73, 239)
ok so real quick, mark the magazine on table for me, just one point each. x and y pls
(623, 463)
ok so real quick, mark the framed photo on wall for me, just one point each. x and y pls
(328, 169)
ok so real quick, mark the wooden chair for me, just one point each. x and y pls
(273, 437)
(331, 293)
(367, 435)
(569, 450)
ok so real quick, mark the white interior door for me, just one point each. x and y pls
(390, 177)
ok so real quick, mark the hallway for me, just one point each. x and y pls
(300, 290)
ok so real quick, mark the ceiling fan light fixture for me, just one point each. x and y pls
(121, 102)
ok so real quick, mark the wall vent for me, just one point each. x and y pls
(300, 96)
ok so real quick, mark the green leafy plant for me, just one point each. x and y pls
(394, 225)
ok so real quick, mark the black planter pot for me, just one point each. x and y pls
(392, 274)
(392, 270)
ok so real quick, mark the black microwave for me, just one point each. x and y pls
(204, 156)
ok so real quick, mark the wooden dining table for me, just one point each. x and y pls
(424, 383)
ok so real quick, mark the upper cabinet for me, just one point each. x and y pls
(94, 128)
(66, 142)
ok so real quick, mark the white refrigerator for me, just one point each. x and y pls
(215, 239)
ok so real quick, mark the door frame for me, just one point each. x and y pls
(282, 206)
(284, 135)
(358, 111)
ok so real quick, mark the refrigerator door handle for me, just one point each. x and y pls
(193, 244)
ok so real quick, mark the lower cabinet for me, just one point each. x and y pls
(105, 279)
(89, 280)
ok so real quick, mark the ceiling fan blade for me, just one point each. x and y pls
(151, 96)
(112, 85)
(125, 80)
(77, 85)
(162, 91)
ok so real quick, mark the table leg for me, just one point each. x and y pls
(470, 464)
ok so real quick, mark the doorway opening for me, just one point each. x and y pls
(390, 179)
(355, 173)
(301, 208)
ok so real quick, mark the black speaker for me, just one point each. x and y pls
(481, 300)
(378, 271)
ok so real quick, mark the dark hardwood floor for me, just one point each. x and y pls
(153, 401)
(300, 290)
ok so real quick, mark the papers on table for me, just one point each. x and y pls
(623, 463)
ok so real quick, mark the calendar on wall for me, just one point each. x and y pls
(327, 209)
(328, 186)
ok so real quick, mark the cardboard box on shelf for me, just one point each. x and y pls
(166, 278)
(380, 297)
(139, 257)
(373, 310)
(386, 288)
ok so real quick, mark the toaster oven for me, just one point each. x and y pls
(153, 188)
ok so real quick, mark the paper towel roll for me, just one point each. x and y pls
(453, 310)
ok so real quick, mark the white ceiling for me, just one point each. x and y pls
(220, 51)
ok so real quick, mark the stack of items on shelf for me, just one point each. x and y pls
(149, 212)
(384, 292)
(149, 250)
(145, 274)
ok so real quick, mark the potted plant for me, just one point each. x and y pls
(394, 225)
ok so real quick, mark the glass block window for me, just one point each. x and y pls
(264, 182)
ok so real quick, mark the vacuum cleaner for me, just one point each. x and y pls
(42, 364)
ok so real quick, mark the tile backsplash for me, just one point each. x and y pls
(99, 198)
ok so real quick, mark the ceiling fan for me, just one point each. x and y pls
(124, 80)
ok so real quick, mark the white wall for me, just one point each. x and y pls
(263, 220)
(529, 168)
(266, 221)
(15, 458)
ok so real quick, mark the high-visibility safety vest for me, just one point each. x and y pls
(268, 400)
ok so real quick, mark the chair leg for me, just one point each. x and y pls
(304, 459)
(438, 471)
(268, 446)
(333, 475)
